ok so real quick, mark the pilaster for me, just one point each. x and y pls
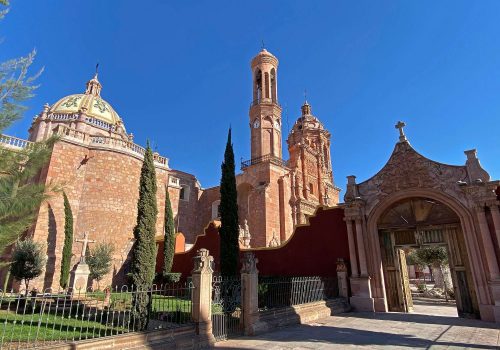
(202, 296)
(250, 295)
(352, 248)
(487, 243)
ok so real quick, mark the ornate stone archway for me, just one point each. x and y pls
(467, 190)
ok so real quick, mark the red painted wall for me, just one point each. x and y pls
(183, 262)
(312, 250)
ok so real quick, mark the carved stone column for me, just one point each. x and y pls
(250, 295)
(202, 296)
(352, 248)
(495, 213)
(489, 250)
(342, 278)
(361, 248)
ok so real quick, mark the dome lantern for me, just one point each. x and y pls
(93, 86)
(306, 108)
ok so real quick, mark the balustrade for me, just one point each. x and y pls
(263, 159)
(13, 142)
(101, 141)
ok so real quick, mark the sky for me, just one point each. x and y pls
(178, 73)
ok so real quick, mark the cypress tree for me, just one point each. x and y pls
(68, 243)
(169, 238)
(144, 249)
(229, 247)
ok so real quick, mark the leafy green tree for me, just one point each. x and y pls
(68, 243)
(437, 258)
(229, 230)
(144, 249)
(169, 240)
(99, 261)
(28, 260)
(20, 197)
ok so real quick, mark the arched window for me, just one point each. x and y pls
(184, 193)
(257, 88)
(266, 78)
(274, 92)
(216, 209)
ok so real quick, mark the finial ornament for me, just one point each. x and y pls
(305, 95)
(249, 263)
(263, 45)
(400, 125)
(93, 85)
(203, 261)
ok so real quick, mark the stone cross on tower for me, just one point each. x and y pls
(400, 125)
(85, 242)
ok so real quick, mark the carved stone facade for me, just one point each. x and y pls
(311, 167)
(464, 192)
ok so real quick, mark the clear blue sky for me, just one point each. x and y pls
(178, 72)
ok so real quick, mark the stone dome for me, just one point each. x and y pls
(264, 52)
(89, 102)
(264, 56)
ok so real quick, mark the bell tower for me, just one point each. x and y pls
(265, 112)
(311, 166)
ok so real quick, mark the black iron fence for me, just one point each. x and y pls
(276, 292)
(37, 320)
(226, 307)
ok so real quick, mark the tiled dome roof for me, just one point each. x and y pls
(91, 100)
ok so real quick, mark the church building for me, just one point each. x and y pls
(98, 164)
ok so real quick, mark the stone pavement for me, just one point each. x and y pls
(431, 326)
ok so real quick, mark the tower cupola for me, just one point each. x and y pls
(264, 67)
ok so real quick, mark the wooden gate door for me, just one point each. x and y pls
(405, 281)
(391, 280)
(460, 274)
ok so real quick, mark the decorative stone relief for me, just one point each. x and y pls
(274, 242)
(481, 194)
(249, 263)
(203, 262)
(406, 169)
(341, 266)
(244, 236)
(476, 172)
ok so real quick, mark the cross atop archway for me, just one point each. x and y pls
(400, 125)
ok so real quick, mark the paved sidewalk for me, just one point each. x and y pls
(443, 330)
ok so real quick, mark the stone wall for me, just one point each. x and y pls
(102, 187)
(204, 209)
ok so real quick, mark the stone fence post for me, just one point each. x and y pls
(202, 296)
(342, 278)
(250, 295)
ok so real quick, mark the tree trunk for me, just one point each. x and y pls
(447, 277)
(437, 272)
